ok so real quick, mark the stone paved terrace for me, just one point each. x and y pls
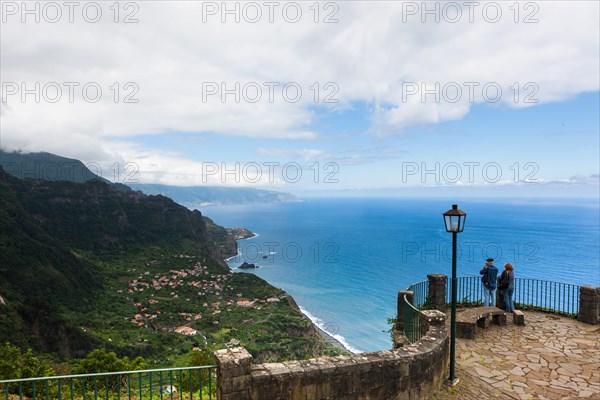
(551, 357)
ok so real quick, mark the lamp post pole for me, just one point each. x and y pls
(452, 379)
(454, 219)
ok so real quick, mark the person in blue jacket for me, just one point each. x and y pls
(507, 286)
(489, 275)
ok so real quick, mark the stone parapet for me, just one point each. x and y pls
(234, 367)
(589, 305)
(412, 372)
(437, 291)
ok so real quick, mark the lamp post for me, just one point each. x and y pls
(454, 219)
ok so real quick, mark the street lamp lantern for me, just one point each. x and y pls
(454, 219)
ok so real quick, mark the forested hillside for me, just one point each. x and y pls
(88, 265)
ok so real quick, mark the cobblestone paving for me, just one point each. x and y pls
(550, 358)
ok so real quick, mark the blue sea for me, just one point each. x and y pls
(344, 260)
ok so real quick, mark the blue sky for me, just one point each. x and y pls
(385, 132)
(546, 133)
(548, 142)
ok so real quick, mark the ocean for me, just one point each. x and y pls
(344, 260)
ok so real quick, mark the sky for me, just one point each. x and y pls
(320, 98)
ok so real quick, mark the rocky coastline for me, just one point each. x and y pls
(243, 234)
(240, 233)
(246, 265)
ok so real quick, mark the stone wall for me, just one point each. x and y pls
(589, 305)
(437, 291)
(400, 308)
(411, 372)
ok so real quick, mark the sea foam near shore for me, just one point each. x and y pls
(325, 328)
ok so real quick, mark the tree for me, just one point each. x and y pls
(17, 365)
(99, 360)
(199, 358)
(198, 379)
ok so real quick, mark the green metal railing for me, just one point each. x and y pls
(411, 317)
(562, 298)
(548, 296)
(420, 291)
(166, 384)
(469, 290)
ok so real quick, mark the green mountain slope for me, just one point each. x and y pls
(96, 216)
(46, 166)
(40, 279)
(86, 265)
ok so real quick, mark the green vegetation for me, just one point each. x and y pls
(100, 360)
(85, 266)
(17, 364)
(46, 166)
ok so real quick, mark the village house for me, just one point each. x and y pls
(245, 303)
(186, 330)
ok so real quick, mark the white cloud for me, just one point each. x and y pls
(371, 56)
(591, 180)
(304, 154)
(161, 167)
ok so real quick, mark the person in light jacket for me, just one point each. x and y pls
(489, 274)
